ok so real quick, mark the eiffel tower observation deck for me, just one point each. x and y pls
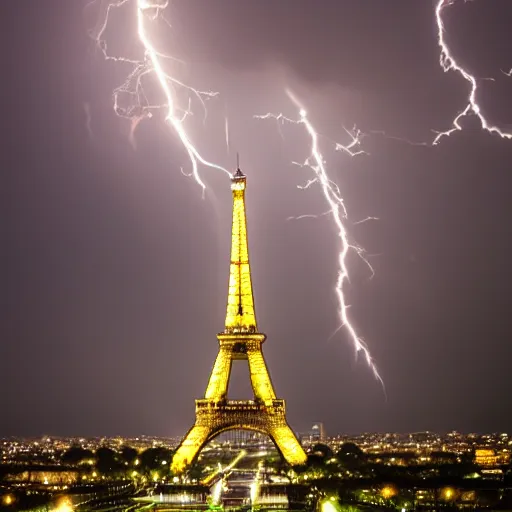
(240, 339)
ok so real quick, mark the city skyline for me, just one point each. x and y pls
(117, 269)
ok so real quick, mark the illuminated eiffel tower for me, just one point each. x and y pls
(240, 340)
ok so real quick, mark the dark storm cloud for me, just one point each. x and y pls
(116, 270)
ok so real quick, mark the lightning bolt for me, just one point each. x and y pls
(449, 63)
(138, 106)
(338, 212)
(131, 101)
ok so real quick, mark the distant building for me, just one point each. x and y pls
(489, 457)
(317, 433)
(486, 457)
(52, 477)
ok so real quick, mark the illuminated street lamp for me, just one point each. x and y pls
(448, 493)
(64, 505)
(329, 504)
(388, 492)
(8, 499)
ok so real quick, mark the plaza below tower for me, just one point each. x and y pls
(240, 339)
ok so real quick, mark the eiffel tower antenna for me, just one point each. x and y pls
(237, 160)
(240, 340)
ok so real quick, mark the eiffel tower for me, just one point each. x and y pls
(240, 340)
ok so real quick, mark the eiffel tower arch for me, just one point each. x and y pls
(240, 340)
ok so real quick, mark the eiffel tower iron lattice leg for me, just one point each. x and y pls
(240, 340)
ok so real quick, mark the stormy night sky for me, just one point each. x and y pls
(115, 269)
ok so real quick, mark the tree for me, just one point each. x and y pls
(350, 449)
(128, 454)
(107, 461)
(315, 461)
(76, 454)
(196, 471)
(153, 458)
(322, 450)
(351, 456)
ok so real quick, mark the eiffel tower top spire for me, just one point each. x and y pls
(240, 315)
